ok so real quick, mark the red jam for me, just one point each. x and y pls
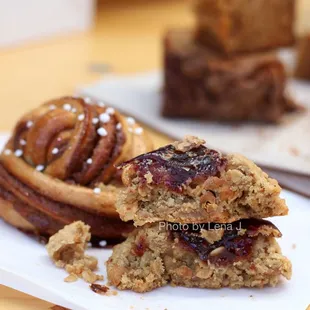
(174, 169)
(235, 246)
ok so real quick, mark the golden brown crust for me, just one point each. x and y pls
(239, 190)
(55, 158)
(166, 260)
(8, 213)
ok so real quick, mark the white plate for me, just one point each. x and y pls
(25, 266)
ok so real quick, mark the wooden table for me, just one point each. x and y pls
(127, 38)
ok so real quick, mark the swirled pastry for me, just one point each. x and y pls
(59, 167)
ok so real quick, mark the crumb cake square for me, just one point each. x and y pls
(233, 26)
(201, 83)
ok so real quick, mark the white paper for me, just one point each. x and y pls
(285, 146)
(25, 266)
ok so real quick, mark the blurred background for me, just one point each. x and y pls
(49, 48)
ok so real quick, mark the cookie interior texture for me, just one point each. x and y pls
(186, 182)
(246, 255)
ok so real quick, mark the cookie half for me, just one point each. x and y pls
(186, 182)
(241, 254)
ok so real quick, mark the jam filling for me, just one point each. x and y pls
(175, 169)
(232, 247)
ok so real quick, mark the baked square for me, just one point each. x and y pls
(244, 254)
(233, 26)
(186, 182)
(201, 83)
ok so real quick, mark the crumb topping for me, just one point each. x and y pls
(189, 143)
(212, 235)
(149, 178)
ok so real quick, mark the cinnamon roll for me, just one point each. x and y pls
(59, 167)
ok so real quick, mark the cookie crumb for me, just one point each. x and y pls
(294, 246)
(148, 177)
(188, 143)
(212, 235)
(67, 250)
(71, 278)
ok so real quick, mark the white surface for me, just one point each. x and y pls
(270, 145)
(34, 19)
(25, 266)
